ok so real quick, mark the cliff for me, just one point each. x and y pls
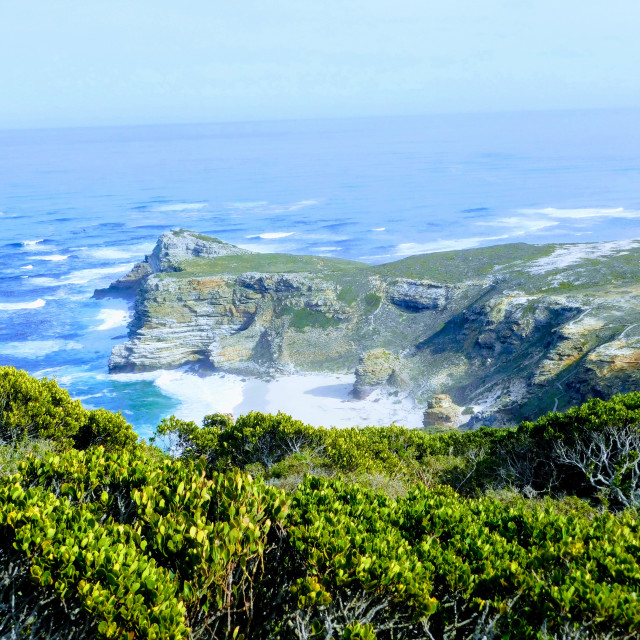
(508, 332)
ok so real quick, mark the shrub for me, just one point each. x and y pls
(31, 408)
(592, 451)
(106, 429)
(127, 545)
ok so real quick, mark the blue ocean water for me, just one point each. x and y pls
(79, 206)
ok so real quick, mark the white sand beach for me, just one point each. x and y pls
(317, 399)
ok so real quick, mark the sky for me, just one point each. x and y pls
(113, 62)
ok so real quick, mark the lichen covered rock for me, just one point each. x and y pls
(442, 412)
(377, 368)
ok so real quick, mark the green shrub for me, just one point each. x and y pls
(11, 455)
(136, 546)
(303, 318)
(592, 451)
(31, 408)
(106, 429)
(149, 549)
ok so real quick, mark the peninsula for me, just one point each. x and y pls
(485, 336)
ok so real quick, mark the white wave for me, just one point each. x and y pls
(264, 206)
(29, 266)
(30, 243)
(266, 247)
(412, 248)
(52, 258)
(15, 306)
(576, 214)
(379, 229)
(112, 318)
(519, 224)
(118, 253)
(82, 276)
(199, 396)
(302, 204)
(181, 206)
(36, 348)
(272, 235)
(146, 376)
(570, 254)
(245, 205)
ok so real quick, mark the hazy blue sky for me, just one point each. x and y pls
(77, 62)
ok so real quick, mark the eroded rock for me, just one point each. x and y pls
(442, 412)
(378, 368)
(418, 295)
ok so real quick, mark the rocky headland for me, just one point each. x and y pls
(480, 336)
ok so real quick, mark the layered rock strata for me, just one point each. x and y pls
(512, 331)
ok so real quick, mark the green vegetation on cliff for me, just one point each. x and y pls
(375, 533)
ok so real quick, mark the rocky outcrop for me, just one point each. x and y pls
(441, 411)
(419, 295)
(173, 249)
(378, 368)
(129, 284)
(178, 246)
(512, 331)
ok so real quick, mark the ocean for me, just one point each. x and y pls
(79, 206)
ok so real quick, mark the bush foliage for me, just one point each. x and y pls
(39, 409)
(352, 534)
(591, 451)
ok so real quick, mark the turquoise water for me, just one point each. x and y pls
(79, 206)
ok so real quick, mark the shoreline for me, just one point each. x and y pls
(318, 399)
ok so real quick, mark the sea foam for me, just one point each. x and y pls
(272, 235)
(112, 318)
(51, 258)
(118, 252)
(15, 306)
(588, 212)
(36, 348)
(181, 206)
(82, 276)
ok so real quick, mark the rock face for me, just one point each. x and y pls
(378, 368)
(419, 295)
(171, 251)
(179, 245)
(442, 412)
(512, 331)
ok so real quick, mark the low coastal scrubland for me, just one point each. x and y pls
(265, 527)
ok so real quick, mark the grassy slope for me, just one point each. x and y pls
(511, 261)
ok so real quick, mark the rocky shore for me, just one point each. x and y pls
(506, 332)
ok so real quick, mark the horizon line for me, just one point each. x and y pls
(328, 118)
